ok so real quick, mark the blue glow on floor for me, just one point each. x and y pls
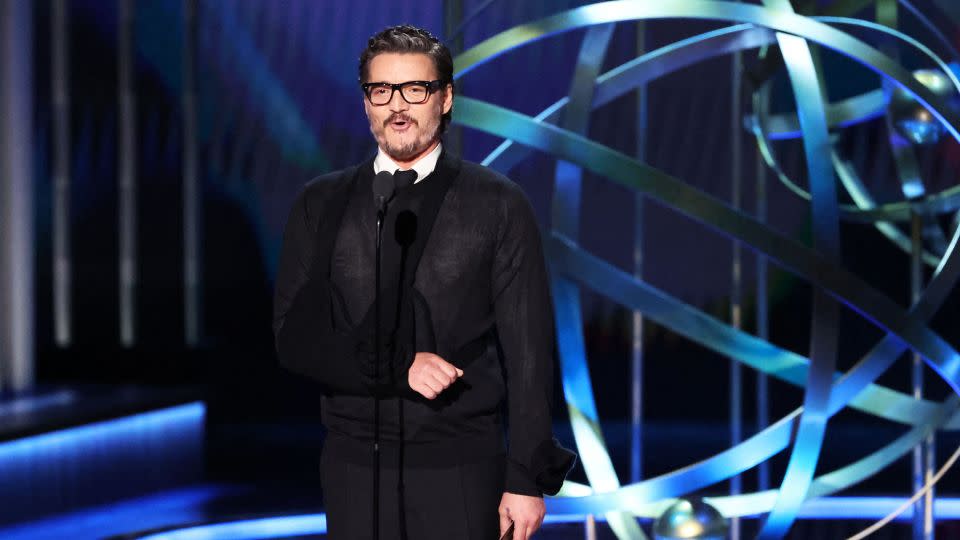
(59, 471)
(35, 404)
(60, 443)
(873, 508)
(172, 508)
(861, 508)
(274, 527)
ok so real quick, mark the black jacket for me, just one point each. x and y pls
(471, 287)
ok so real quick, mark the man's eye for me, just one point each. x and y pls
(379, 90)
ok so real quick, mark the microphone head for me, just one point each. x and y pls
(383, 187)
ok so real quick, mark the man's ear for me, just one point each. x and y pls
(447, 98)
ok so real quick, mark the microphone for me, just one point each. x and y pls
(383, 188)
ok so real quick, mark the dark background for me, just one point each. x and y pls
(279, 104)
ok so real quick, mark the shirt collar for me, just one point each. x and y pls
(424, 166)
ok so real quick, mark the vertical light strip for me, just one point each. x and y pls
(916, 375)
(636, 361)
(908, 173)
(192, 192)
(930, 469)
(453, 22)
(126, 170)
(736, 281)
(763, 323)
(16, 194)
(922, 453)
(60, 92)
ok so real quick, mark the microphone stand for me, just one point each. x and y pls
(376, 376)
(383, 187)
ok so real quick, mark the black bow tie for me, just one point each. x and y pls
(402, 179)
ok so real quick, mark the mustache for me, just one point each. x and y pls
(398, 116)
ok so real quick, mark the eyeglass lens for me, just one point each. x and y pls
(381, 94)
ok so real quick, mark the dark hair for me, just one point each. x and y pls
(406, 38)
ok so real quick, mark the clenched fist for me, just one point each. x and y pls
(429, 374)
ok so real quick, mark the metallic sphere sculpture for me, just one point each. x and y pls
(825, 391)
(690, 519)
(912, 120)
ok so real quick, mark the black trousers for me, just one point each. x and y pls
(450, 503)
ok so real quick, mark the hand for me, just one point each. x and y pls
(429, 374)
(524, 511)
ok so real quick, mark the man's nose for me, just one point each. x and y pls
(397, 103)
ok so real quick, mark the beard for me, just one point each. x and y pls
(405, 148)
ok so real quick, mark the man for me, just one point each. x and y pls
(466, 323)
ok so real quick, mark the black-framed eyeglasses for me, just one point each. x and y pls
(413, 92)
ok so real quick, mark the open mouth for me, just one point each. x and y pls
(400, 124)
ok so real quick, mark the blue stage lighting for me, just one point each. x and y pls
(101, 462)
(273, 527)
(306, 524)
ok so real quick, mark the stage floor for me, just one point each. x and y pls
(262, 481)
(220, 511)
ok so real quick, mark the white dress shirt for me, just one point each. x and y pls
(423, 166)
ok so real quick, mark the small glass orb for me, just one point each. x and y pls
(690, 518)
(912, 120)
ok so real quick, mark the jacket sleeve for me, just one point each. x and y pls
(536, 463)
(306, 340)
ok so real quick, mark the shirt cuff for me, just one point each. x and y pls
(550, 465)
(518, 480)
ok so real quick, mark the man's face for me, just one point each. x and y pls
(405, 131)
